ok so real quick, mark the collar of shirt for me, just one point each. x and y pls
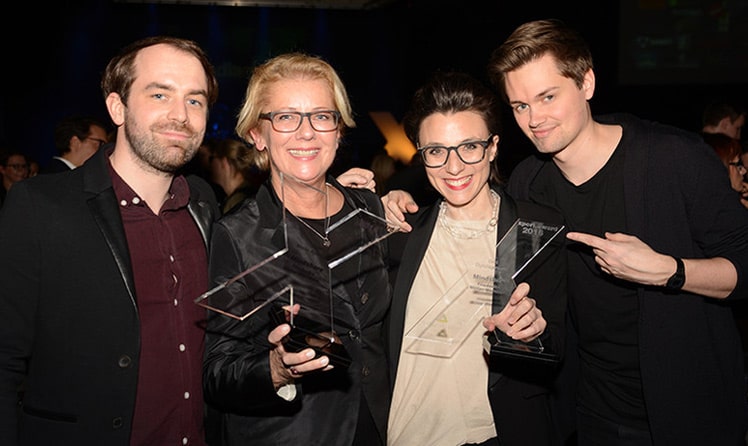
(179, 192)
(67, 163)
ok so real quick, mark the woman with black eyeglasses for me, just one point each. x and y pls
(14, 167)
(295, 351)
(450, 291)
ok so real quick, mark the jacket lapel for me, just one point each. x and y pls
(102, 202)
(413, 253)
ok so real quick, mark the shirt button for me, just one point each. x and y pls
(124, 361)
(117, 422)
(364, 298)
(171, 258)
(184, 440)
(176, 302)
(123, 203)
(365, 371)
(186, 395)
(182, 347)
(135, 200)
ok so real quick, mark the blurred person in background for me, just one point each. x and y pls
(76, 139)
(14, 167)
(232, 167)
(723, 117)
(729, 151)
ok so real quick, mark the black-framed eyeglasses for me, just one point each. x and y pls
(470, 152)
(290, 121)
(101, 142)
(738, 164)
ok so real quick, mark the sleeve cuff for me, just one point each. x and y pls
(287, 392)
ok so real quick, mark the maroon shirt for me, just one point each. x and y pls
(170, 270)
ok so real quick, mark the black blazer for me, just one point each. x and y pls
(518, 391)
(56, 166)
(69, 328)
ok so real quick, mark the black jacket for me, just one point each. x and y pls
(678, 200)
(236, 375)
(69, 329)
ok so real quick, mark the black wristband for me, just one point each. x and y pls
(676, 281)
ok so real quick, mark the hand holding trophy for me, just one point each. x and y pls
(524, 241)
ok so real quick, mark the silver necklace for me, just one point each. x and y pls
(465, 232)
(325, 238)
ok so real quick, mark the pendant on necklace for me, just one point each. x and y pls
(325, 238)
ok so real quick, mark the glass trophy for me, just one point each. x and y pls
(483, 289)
(516, 249)
(311, 270)
(252, 289)
(449, 321)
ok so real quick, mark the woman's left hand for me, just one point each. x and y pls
(520, 319)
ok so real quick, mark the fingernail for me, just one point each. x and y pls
(324, 361)
(310, 354)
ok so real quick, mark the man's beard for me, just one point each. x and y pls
(155, 155)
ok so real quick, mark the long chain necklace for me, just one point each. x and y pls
(464, 232)
(325, 238)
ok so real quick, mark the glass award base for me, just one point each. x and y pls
(497, 343)
(307, 333)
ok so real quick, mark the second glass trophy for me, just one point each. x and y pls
(481, 290)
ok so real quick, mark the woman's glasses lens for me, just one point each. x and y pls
(469, 153)
(285, 122)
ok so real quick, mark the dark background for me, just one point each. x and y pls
(660, 59)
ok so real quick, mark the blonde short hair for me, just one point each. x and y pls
(287, 66)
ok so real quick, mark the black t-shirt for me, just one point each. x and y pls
(604, 310)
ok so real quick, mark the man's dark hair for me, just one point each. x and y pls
(533, 40)
(120, 71)
(716, 111)
(77, 125)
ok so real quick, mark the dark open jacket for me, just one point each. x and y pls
(678, 200)
(69, 327)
